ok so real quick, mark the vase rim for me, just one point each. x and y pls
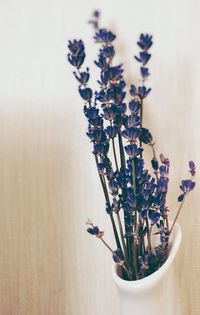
(151, 280)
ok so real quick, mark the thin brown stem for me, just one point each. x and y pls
(141, 123)
(177, 214)
(121, 149)
(122, 239)
(103, 184)
(148, 237)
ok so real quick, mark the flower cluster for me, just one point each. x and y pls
(118, 137)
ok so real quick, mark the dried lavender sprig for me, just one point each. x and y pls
(186, 186)
(94, 230)
(109, 77)
(155, 208)
(76, 57)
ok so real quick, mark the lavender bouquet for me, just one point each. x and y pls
(134, 196)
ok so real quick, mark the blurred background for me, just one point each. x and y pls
(49, 265)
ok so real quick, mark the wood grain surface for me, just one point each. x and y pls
(49, 265)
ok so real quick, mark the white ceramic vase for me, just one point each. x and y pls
(152, 295)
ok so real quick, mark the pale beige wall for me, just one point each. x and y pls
(48, 182)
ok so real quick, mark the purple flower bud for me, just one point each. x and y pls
(134, 106)
(116, 205)
(192, 168)
(131, 134)
(154, 163)
(93, 230)
(163, 170)
(145, 41)
(132, 121)
(103, 65)
(113, 185)
(181, 197)
(187, 185)
(163, 184)
(133, 90)
(164, 160)
(109, 209)
(132, 150)
(143, 91)
(83, 78)
(97, 135)
(114, 73)
(104, 36)
(107, 52)
(96, 14)
(76, 47)
(91, 112)
(101, 148)
(76, 60)
(110, 112)
(144, 57)
(101, 168)
(117, 256)
(145, 136)
(154, 216)
(144, 72)
(112, 131)
(86, 94)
